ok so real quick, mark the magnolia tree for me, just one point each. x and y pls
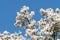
(48, 26)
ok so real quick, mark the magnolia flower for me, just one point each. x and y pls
(32, 13)
(24, 9)
(6, 32)
(57, 10)
(32, 24)
(30, 32)
(35, 37)
(42, 11)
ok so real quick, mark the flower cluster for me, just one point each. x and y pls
(50, 22)
(8, 36)
(29, 24)
(23, 18)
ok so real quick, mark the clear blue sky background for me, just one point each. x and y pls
(8, 9)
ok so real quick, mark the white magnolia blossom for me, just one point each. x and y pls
(35, 37)
(24, 8)
(30, 32)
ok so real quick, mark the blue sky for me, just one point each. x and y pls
(8, 9)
